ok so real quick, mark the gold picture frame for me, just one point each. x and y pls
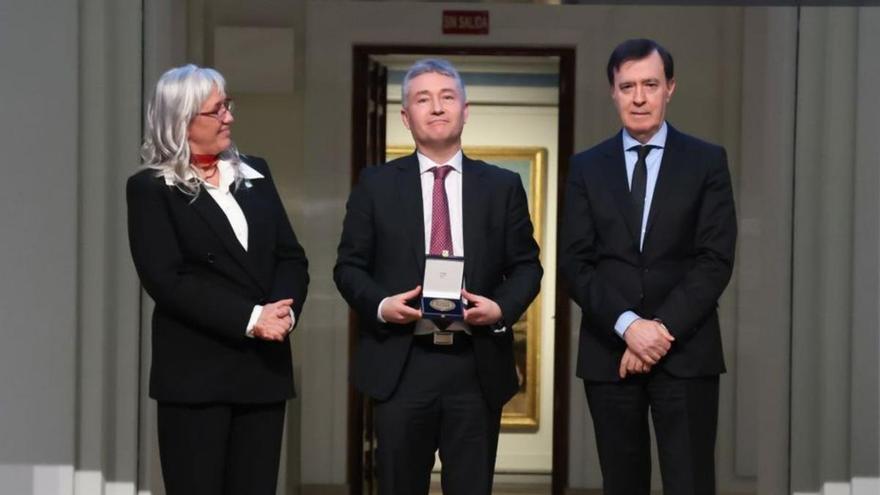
(522, 412)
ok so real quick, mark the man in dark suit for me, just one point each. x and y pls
(436, 387)
(648, 245)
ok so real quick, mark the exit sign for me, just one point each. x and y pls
(465, 22)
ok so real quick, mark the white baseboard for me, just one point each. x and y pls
(87, 483)
(865, 486)
(53, 480)
(858, 486)
(117, 488)
(836, 488)
(63, 480)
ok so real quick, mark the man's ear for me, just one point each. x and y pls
(404, 117)
(670, 88)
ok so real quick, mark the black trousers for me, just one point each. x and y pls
(438, 404)
(685, 416)
(220, 449)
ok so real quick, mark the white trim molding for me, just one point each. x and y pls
(60, 479)
(857, 486)
(53, 480)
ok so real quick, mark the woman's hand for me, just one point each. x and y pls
(274, 322)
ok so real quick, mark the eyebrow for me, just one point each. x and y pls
(442, 90)
(633, 81)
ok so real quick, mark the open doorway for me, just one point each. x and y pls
(521, 117)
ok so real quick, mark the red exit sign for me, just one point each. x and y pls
(465, 22)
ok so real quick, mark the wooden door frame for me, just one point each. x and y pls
(565, 134)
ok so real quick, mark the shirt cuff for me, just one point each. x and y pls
(292, 320)
(624, 321)
(379, 311)
(255, 315)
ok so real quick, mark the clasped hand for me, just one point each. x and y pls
(647, 341)
(274, 322)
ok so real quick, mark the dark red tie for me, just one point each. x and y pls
(441, 232)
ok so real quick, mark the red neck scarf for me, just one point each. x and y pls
(203, 161)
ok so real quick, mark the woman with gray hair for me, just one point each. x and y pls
(213, 247)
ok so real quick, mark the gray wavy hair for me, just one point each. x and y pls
(177, 99)
(428, 65)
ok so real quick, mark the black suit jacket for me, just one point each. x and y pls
(682, 270)
(206, 285)
(382, 252)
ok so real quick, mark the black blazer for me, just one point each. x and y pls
(382, 252)
(685, 264)
(206, 285)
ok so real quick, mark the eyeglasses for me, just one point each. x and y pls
(226, 106)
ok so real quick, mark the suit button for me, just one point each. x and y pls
(210, 257)
(646, 270)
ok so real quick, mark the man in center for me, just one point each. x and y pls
(436, 386)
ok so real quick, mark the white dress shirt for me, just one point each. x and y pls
(222, 195)
(453, 198)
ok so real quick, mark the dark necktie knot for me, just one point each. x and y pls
(441, 172)
(643, 150)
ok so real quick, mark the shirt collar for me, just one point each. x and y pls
(226, 171)
(658, 140)
(249, 172)
(426, 163)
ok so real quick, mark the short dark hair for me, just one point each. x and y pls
(637, 49)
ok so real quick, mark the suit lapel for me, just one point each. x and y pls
(259, 223)
(667, 177)
(409, 193)
(475, 211)
(210, 211)
(618, 183)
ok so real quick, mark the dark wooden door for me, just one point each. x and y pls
(368, 148)
(368, 140)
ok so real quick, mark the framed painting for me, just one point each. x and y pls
(521, 413)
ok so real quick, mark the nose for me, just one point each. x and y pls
(436, 105)
(228, 118)
(639, 95)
